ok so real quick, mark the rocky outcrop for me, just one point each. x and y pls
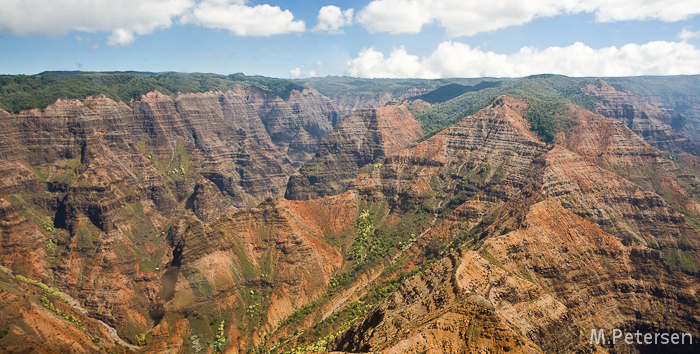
(347, 103)
(364, 137)
(490, 150)
(255, 268)
(482, 238)
(539, 260)
(656, 123)
(452, 308)
(91, 189)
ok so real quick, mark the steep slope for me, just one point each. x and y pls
(89, 188)
(481, 238)
(655, 122)
(538, 277)
(252, 269)
(365, 136)
(680, 92)
(489, 151)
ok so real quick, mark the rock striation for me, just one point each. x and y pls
(656, 123)
(572, 247)
(163, 219)
(91, 189)
(365, 136)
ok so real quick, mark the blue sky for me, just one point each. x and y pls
(371, 38)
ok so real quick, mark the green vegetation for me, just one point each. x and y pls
(45, 288)
(38, 172)
(373, 245)
(220, 342)
(450, 91)
(680, 260)
(21, 92)
(68, 317)
(668, 156)
(443, 114)
(141, 340)
(318, 337)
(547, 118)
(542, 122)
(4, 332)
(364, 241)
(554, 87)
(487, 256)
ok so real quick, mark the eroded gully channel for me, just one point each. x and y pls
(157, 309)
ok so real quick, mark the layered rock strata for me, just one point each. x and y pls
(365, 136)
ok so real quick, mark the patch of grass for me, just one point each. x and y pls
(679, 260)
(498, 175)
(85, 237)
(487, 256)
(66, 316)
(45, 288)
(607, 263)
(246, 267)
(668, 156)
(318, 337)
(38, 172)
(527, 276)
(200, 286)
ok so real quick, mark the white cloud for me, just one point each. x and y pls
(454, 59)
(126, 19)
(296, 72)
(121, 37)
(123, 18)
(686, 34)
(332, 18)
(395, 16)
(466, 18)
(242, 20)
(371, 63)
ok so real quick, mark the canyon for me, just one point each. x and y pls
(249, 221)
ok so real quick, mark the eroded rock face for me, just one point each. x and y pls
(257, 267)
(534, 244)
(490, 151)
(91, 189)
(657, 124)
(554, 246)
(365, 136)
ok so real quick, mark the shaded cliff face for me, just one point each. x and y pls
(91, 190)
(364, 137)
(657, 124)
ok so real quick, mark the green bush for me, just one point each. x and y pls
(220, 342)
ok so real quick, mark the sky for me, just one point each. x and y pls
(370, 38)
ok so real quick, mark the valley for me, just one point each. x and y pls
(195, 213)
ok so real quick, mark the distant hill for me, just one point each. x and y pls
(21, 92)
(450, 91)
